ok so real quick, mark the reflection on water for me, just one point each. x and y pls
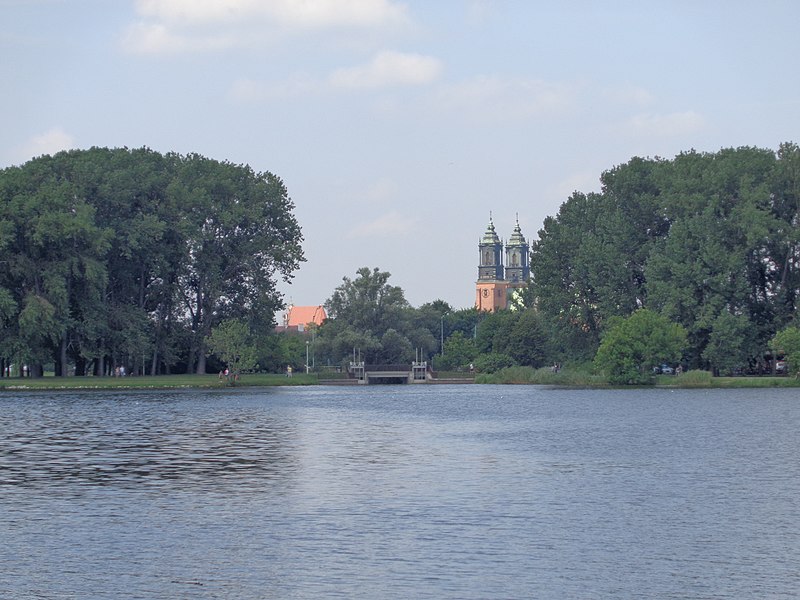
(133, 441)
(408, 491)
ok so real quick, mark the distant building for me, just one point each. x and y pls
(299, 318)
(496, 281)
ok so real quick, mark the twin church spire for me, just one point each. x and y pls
(498, 279)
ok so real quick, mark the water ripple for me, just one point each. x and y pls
(427, 492)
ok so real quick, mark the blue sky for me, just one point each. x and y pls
(398, 125)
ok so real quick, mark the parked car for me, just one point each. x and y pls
(667, 370)
(780, 367)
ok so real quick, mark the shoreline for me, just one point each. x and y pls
(148, 382)
(173, 382)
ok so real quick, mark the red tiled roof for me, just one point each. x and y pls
(305, 315)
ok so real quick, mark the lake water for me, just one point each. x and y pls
(400, 492)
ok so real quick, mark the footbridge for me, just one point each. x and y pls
(416, 372)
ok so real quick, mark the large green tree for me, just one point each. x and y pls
(696, 238)
(231, 342)
(632, 346)
(132, 257)
(56, 259)
(239, 234)
(459, 352)
(368, 302)
(732, 345)
(562, 279)
(370, 317)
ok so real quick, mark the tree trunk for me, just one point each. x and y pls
(62, 369)
(154, 361)
(157, 342)
(201, 362)
(199, 328)
(142, 272)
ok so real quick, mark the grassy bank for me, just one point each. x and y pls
(690, 380)
(578, 376)
(582, 376)
(155, 382)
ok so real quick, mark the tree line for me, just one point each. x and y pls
(370, 320)
(131, 257)
(710, 241)
(163, 262)
(694, 260)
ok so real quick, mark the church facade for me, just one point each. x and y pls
(497, 279)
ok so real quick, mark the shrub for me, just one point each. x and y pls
(787, 342)
(631, 347)
(695, 378)
(576, 376)
(493, 362)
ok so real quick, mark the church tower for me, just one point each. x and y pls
(518, 270)
(490, 292)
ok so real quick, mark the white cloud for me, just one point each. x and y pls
(182, 26)
(156, 38)
(393, 224)
(389, 69)
(290, 13)
(172, 26)
(496, 98)
(49, 142)
(196, 11)
(677, 123)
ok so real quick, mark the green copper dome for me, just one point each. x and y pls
(490, 237)
(517, 239)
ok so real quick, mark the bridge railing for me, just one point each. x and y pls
(390, 367)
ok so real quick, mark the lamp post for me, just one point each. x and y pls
(314, 347)
(306, 357)
(441, 334)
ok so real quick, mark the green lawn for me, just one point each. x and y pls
(268, 379)
(755, 382)
(156, 382)
(692, 379)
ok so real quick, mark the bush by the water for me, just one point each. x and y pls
(578, 375)
(695, 378)
(493, 362)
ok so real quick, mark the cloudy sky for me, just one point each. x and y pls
(397, 125)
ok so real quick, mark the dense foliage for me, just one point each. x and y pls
(130, 257)
(786, 343)
(709, 241)
(127, 257)
(231, 342)
(693, 261)
(631, 347)
(370, 320)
